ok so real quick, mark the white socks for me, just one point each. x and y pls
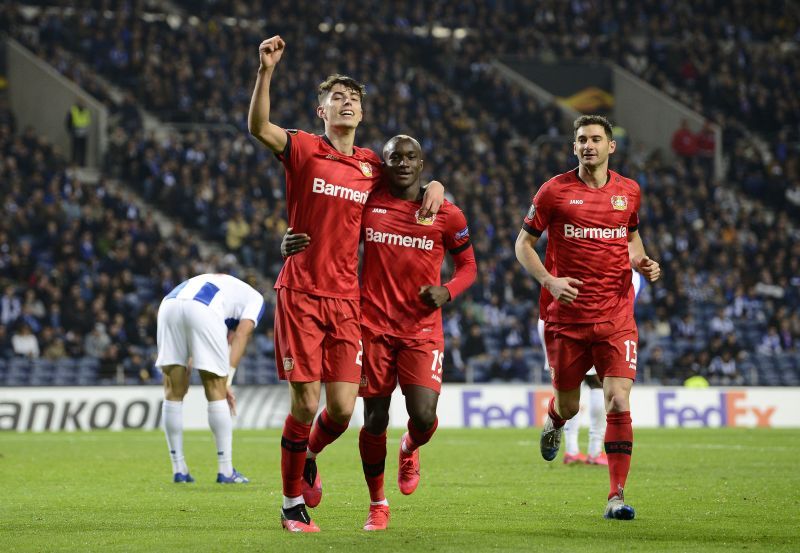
(571, 429)
(597, 421)
(172, 416)
(289, 502)
(597, 426)
(219, 419)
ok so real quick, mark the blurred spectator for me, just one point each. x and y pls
(721, 323)
(723, 370)
(24, 342)
(79, 120)
(10, 306)
(454, 367)
(97, 342)
(770, 342)
(474, 345)
(684, 141)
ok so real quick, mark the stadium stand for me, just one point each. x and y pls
(730, 244)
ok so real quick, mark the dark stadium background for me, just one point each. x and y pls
(175, 186)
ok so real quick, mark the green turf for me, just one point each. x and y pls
(694, 490)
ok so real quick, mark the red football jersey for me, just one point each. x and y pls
(325, 196)
(402, 253)
(587, 233)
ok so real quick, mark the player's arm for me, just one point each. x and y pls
(433, 198)
(239, 340)
(564, 289)
(466, 269)
(649, 268)
(258, 123)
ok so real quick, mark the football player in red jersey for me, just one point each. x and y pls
(401, 300)
(317, 318)
(591, 217)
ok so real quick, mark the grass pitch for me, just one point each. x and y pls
(482, 490)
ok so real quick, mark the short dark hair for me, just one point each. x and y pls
(348, 82)
(395, 139)
(584, 120)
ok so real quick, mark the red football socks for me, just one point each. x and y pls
(373, 461)
(619, 444)
(293, 455)
(417, 438)
(558, 422)
(325, 431)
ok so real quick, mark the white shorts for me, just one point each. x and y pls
(540, 328)
(189, 329)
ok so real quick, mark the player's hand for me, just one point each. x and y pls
(231, 399)
(564, 289)
(293, 243)
(434, 296)
(270, 52)
(649, 268)
(433, 199)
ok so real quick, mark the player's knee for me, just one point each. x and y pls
(376, 421)
(339, 412)
(568, 409)
(617, 403)
(304, 410)
(423, 416)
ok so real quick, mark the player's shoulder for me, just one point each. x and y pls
(449, 208)
(560, 181)
(623, 181)
(366, 154)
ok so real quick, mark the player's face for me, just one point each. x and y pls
(403, 163)
(592, 146)
(341, 107)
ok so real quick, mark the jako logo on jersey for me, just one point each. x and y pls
(328, 189)
(378, 210)
(421, 242)
(366, 168)
(596, 233)
(620, 203)
(576, 202)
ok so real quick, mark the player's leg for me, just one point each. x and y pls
(597, 420)
(173, 359)
(176, 385)
(210, 356)
(618, 444)
(419, 371)
(615, 357)
(372, 446)
(341, 354)
(569, 359)
(221, 424)
(298, 341)
(421, 405)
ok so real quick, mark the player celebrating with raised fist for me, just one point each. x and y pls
(591, 215)
(317, 317)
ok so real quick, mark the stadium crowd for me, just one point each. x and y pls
(729, 303)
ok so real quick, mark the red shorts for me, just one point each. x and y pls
(572, 349)
(317, 338)
(388, 359)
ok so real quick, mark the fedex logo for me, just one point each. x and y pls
(726, 409)
(478, 411)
